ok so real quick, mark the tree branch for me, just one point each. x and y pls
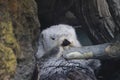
(102, 51)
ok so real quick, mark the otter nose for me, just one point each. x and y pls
(65, 42)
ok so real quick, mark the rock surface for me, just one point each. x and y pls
(19, 28)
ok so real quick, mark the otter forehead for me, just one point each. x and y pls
(59, 30)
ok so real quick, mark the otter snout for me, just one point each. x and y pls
(65, 43)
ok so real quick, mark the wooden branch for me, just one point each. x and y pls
(102, 51)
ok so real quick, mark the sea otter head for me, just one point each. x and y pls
(61, 35)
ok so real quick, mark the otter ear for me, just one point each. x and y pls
(40, 51)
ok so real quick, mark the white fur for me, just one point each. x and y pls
(58, 33)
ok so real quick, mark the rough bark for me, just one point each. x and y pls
(57, 69)
(96, 19)
(114, 6)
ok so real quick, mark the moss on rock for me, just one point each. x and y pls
(7, 62)
(7, 37)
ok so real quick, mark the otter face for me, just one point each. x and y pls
(60, 35)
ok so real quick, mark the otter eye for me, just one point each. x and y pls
(52, 38)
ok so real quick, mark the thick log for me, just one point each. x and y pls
(61, 69)
(66, 70)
